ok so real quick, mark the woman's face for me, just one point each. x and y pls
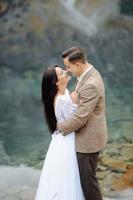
(62, 75)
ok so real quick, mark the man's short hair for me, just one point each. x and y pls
(75, 54)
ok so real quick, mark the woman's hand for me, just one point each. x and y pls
(74, 97)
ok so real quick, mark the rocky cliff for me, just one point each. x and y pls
(32, 36)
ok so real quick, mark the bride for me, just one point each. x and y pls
(59, 179)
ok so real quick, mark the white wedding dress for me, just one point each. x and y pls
(60, 179)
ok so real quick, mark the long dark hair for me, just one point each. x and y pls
(49, 91)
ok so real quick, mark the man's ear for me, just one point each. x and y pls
(77, 64)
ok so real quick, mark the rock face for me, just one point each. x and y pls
(115, 169)
(4, 6)
(32, 36)
(32, 32)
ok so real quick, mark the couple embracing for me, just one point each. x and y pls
(78, 127)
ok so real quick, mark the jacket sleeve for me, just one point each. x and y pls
(87, 101)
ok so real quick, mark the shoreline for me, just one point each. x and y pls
(20, 182)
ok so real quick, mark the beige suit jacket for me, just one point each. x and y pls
(89, 121)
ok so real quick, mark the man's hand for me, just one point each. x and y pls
(57, 127)
(74, 97)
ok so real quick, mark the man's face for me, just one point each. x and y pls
(70, 67)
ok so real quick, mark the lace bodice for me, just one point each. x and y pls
(64, 107)
(60, 179)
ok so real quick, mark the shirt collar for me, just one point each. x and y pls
(83, 74)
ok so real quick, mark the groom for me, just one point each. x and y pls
(88, 122)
